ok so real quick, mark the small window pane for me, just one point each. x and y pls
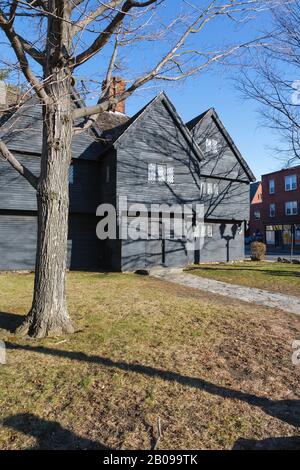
(151, 172)
(271, 186)
(170, 174)
(209, 188)
(161, 173)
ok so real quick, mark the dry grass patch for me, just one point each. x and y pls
(275, 277)
(218, 373)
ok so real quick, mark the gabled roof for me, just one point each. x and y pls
(191, 124)
(163, 98)
(22, 130)
(211, 113)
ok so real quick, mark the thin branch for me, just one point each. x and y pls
(104, 37)
(21, 56)
(21, 169)
(81, 24)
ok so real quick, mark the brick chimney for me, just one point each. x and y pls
(117, 87)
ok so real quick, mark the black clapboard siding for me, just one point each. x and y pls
(223, 164)
(15, 191)
(226, 244)
(85, 188)
(18, 242)
(83, 244)
(23, 132)
(155, 138)
(231, 203)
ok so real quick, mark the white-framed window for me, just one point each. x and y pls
(211, 145)
(291, 208)
(209, 188)
(257, 215)
(272, 210)
(208, 231)
(71, 174)
(107, 174)
(271, 186)
(290, 182)
(161, 173)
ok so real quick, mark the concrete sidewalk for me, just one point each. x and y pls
(287, 303)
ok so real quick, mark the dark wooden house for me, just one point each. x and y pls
(151, 158)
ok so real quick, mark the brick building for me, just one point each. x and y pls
(275, 208)
(256, 224)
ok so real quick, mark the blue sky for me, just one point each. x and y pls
(239, 116)
(213, 88)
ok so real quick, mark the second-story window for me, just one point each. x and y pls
(257, 215)
(211, 145)
(271, 186)
(209, 188)
(160, 173)
(272, 210)
(290, 182)
(291, 208)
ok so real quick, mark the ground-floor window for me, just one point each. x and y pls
(283, 235)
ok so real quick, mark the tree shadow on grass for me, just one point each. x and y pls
(10, 321)
(285, 410)
(271, 443)
(49, 435)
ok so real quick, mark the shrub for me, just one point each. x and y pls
(258, 251)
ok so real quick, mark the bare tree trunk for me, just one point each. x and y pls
(49, 313)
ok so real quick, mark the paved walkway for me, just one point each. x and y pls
(287, 303)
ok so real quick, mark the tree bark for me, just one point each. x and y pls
(49, 313)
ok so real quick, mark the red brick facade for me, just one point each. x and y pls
(279, 209)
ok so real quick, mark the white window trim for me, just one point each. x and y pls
(211, 145)
(290, 182)
(160, 173)
(291, 206)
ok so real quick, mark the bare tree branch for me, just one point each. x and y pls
(104, 36)
(21, 56)
(21, 169)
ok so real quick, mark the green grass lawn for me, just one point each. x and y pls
(216, 372)
(276, 277)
